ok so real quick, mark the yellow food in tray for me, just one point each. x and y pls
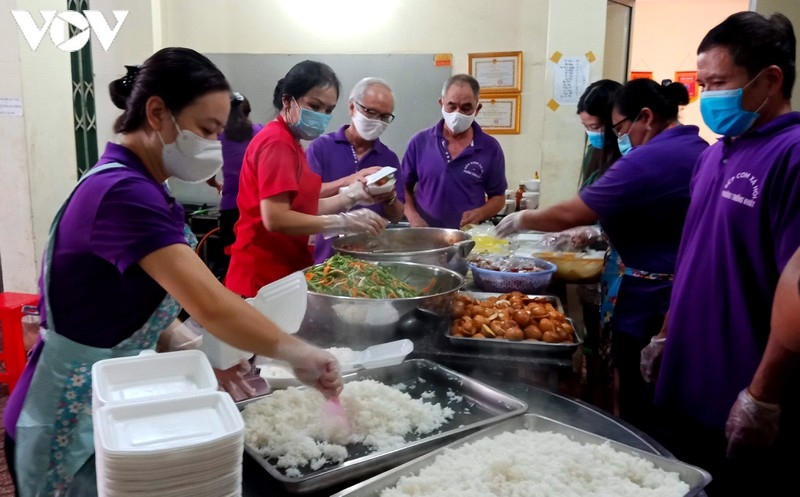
(574, 266)
(490, 245)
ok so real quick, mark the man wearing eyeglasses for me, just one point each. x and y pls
(355, 151)
(455, 173)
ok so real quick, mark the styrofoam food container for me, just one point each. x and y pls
(532, 185)
(163, 425)
(372, 179)
(283, 301)
(151, 376)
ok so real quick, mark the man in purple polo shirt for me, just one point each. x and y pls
(742, 228)
(355, 151)
(454, 173)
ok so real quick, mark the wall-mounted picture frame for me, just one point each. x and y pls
(641, 75)
(497, 72)
(689, 80)
(499, 114)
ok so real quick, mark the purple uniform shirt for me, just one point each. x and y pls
(641, 202)
(232, 156)
(742, 228)
(332, 157)
(99, 294)
(449, 186)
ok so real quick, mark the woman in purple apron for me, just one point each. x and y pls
(641, 204)
(119, 267)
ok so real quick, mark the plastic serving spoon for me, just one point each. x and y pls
(384, 354)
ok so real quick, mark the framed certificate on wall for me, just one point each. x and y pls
(499, 114)
(497, 72)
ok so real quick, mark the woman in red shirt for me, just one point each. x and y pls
(278, 198)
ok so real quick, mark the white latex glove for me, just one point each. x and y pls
(650, 359)
(751, 424)
(179, 336)
(357, 221)
(357, 194)
(510, 224)
(313, 366)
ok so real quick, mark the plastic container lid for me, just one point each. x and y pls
(284, 301)
(151, 376)
(167, 424)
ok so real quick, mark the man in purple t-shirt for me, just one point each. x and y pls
(454, 173)
(742, 228)
(355, 151)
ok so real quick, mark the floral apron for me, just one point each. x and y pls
(54, 430)
(611, 280)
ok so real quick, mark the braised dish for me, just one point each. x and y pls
(510, 316)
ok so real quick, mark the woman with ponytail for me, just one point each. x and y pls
(119, 266)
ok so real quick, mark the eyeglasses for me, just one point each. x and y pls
(615, 125)
(374, 114)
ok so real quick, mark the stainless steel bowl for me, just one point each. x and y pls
(358, 322)
(442, 247)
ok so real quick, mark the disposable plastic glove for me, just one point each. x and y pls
(357, 194)
(510, 224)
(650, 359)
(316, 368)
(751, 424)
(352, 222)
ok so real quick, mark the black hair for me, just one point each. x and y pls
(462, 79)
(662, 100)
(597, 100)
(178, 75)
(303, 77)
(756, 42)
(239, 128)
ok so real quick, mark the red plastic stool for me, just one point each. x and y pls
(13, 353)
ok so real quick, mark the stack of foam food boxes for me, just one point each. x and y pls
(162, 429)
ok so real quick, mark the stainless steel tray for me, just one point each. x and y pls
(480, 406)
(485, 295)
(523, 346)
(695, 477)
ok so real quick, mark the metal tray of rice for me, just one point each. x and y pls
(534, 455)
(470, 405)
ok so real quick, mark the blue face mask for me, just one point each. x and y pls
(722, 111)
(595, 138)
(625, 144)
(311, 124)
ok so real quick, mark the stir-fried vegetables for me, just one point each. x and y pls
(346, 276)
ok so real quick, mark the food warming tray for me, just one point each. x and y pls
(520, 347)
(480, 406)
(485, 295)
(695, 477)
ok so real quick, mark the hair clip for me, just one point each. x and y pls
(237, 97)
(130, 75)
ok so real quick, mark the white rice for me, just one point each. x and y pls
(541, 464)
(291, 425)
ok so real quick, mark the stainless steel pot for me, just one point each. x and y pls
(442, 247)
(358, 322)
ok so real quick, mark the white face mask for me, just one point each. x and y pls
(457, 122)
(190, 157)
(368, 129)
